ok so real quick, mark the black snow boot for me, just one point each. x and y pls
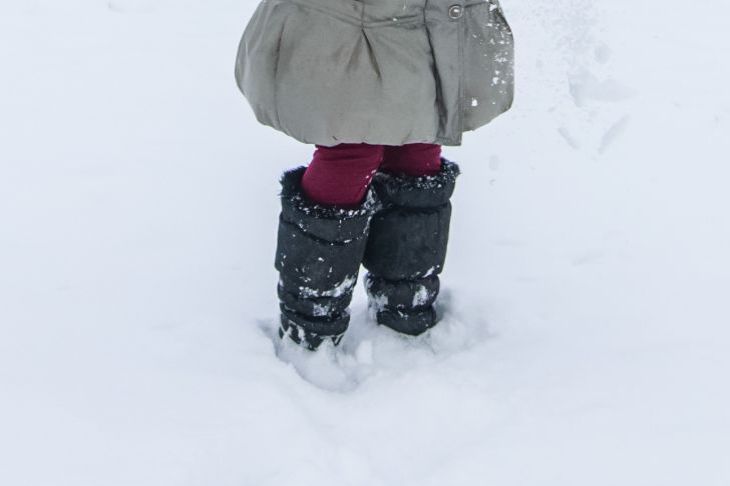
(407, 247)
(318, 256)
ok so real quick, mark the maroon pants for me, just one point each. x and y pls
(340, 175)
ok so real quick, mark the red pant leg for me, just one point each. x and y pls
(413, 159)
(340, 175)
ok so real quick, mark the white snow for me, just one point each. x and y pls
(421, 296)
(586, 330)
(336, 291)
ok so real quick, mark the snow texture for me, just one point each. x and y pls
(586, 327)
(337, 291)
(421, 296)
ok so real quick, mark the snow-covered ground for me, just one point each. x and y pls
(587, 331)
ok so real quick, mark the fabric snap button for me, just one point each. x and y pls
(456, 11)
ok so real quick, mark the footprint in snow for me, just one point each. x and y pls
(613, 133)
(585, 87)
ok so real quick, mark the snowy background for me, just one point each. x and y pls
(587, 330)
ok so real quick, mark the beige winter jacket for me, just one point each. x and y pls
(377, 71)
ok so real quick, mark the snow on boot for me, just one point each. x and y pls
(318, 256)
(406, 247)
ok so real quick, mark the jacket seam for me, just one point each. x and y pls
(414, 19)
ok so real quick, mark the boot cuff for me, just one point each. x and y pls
(330, 223)
(418, 192)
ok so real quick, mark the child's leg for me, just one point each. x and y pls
(407, 241)
(414, 159)
(322, 240)
(340, 175)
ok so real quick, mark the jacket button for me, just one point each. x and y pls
(456, 11)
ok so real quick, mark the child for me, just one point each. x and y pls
(378, 86)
